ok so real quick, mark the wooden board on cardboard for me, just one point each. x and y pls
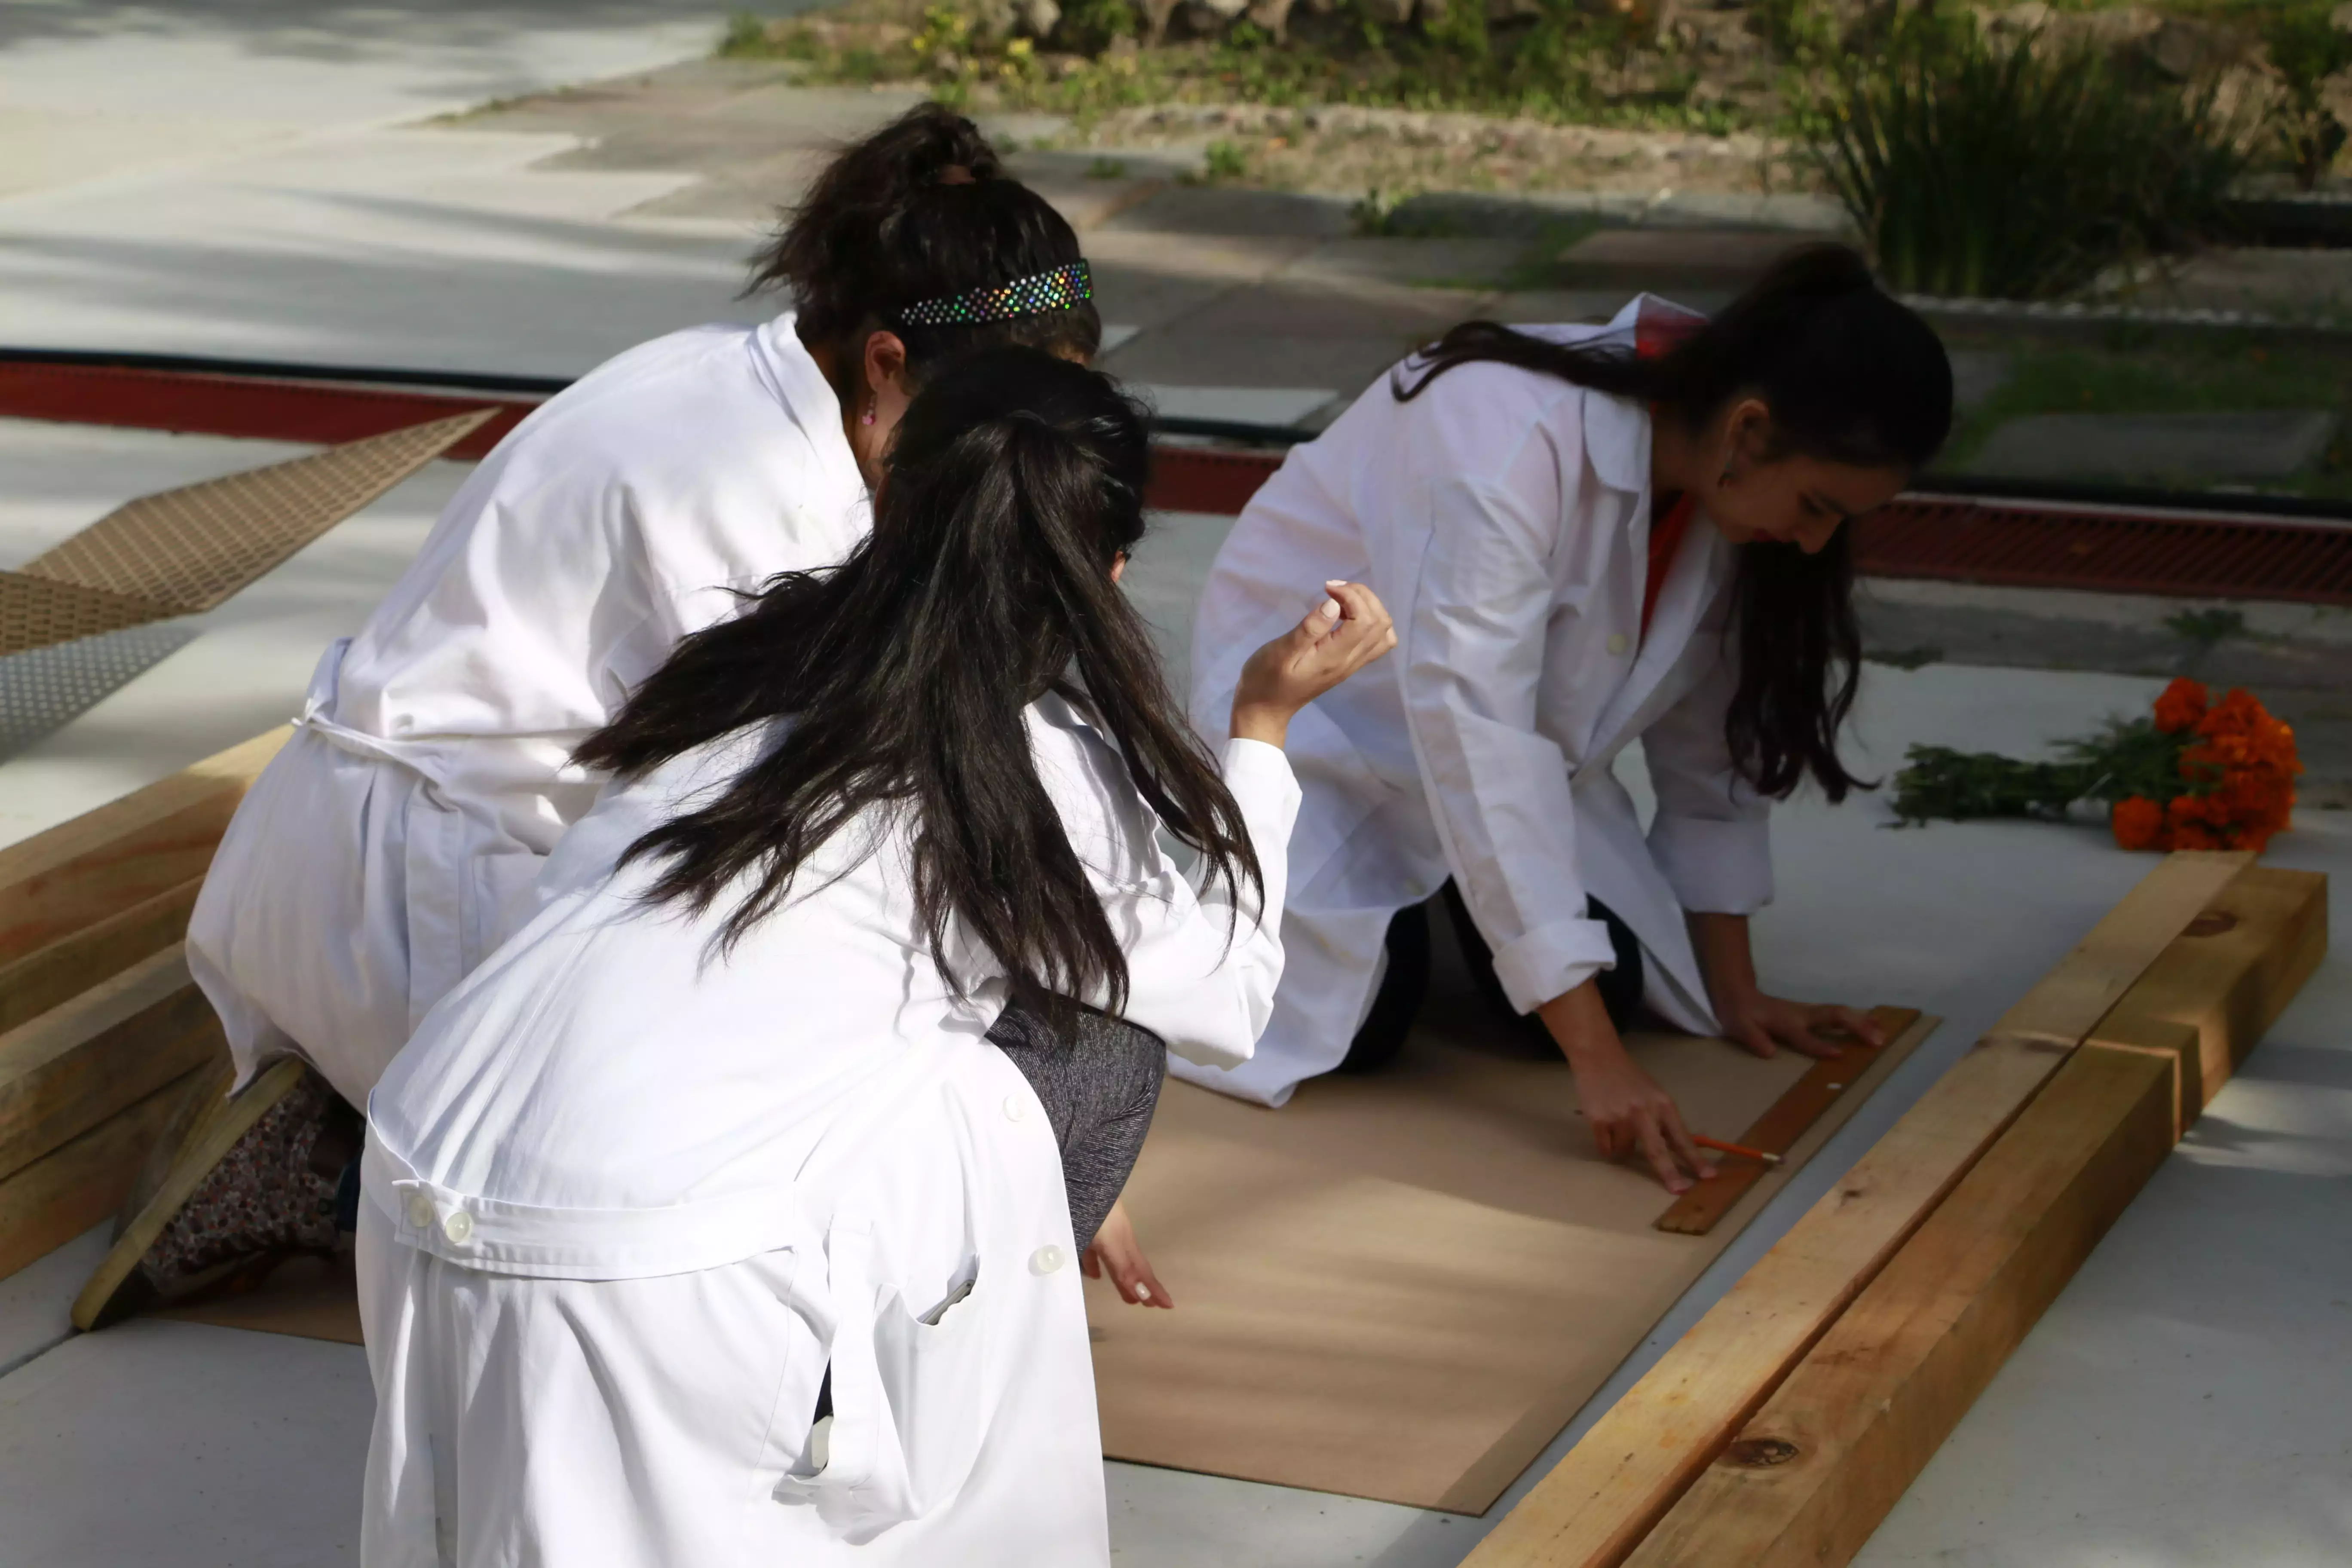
(1402, 1286)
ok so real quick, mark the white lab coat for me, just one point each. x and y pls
(626, 1197)
(393, 843)
(1504, 516)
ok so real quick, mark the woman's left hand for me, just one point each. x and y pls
(1763, 1024)
(1114, 1248)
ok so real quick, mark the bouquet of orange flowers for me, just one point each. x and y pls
(2194, 775)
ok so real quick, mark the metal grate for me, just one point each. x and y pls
(36, 612)
(192, 547)
(44, 689)
(2028, 546)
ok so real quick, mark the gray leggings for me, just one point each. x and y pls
(1099, 1084)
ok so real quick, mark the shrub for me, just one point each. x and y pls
(2306, 48)
(2008, 169)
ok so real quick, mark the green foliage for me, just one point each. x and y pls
(746, 34)
(1225, 161)
(1905, 657)
(2207, 629)
(1106, 169)
(2009, 170)
(1090, 26)
(1564, 65)
(2130, 757)
(2307, 48)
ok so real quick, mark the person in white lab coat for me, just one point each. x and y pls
(395, 841)
(704, 1225)
(1590, 538)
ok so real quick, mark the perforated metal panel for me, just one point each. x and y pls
(36, 612)
(191, 548)
(45, 689)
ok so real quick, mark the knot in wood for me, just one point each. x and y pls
(2212, 923)
(1757, 1453)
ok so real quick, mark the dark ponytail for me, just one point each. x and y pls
(1015, 482)
(921, 210)
(1852, 376)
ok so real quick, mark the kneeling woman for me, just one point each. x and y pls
(704, 1225)
(1590, 538)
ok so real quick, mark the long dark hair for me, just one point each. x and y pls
(919, 210)
(1015, 482)
(1851, 376)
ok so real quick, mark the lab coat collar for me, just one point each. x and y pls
(1617, 429)
(793, 374)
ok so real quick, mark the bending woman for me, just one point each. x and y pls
(1591, 537)
(395, 841)
(704, 1225)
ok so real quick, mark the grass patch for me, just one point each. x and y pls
(1561, 63)
(2220, 372)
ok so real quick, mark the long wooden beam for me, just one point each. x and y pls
(126, 852)
(1812, 1474)
(1615, 1485)
(2227, 976)
(77, 1065)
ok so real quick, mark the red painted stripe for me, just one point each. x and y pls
(2016, 543)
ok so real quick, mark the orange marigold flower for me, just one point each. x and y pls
(2139, 824)
(2182, 706)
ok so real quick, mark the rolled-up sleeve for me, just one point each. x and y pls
(1471, 655)
(1202, 965)
(1712, 835)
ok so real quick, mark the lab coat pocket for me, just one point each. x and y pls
(932, 1370)
(907, 1403)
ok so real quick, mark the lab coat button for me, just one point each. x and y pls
(420, 1210)
(1045, 1260)
(1014, 1109)
(1619, 642)
(459, 1227)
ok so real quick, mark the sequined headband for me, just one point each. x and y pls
(1059, 290)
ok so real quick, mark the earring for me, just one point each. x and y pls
(1725, 483)
(869, 418)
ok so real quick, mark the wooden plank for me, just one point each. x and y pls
(1600, 1500)
(1776, 1132)
(50, 976)
(2072, 998)
(2229, 975)
(125, 852)
(83, 1182)
(1811, 1477)
(77, 1065)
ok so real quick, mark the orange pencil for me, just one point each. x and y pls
(1741, 1149)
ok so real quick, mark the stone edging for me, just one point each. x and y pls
(2077, 313)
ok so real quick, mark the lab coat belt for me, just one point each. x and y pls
(499, 1237)
(319, 701)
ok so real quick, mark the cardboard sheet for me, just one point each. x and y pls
(1402, 1287)
(1397, 1286)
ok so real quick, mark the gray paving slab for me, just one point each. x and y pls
(35, 1301)
(1726, 256)
(1236, 210)
(160, 1445)
(2227, 445)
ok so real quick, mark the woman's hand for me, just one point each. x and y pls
(1628, 1111)
(1764, 1024)
(1346, 632)
(1114, 1248)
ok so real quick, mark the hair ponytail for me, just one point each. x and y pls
(1852, 376)
(1016, 483)
(920, 210)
